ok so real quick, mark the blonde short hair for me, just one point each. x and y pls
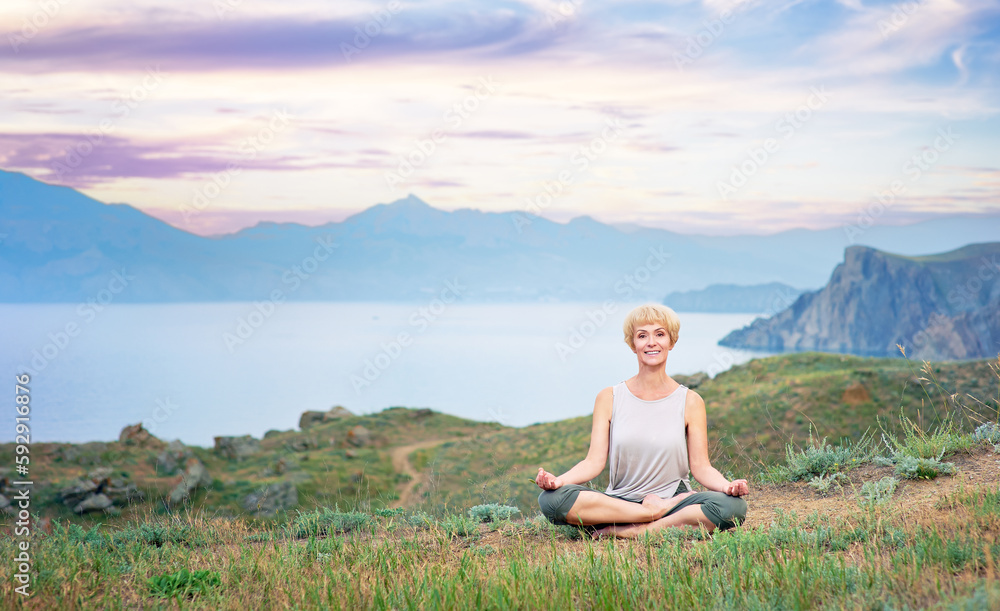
(651, 313)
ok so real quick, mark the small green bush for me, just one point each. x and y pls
(878, 493)
(184, 583)
(826, 484)
(459, 526)
(389, 512)
(421, 519)
(988, 432)
(325, 521)
(492, 512)
(816, 460)
(922, 468)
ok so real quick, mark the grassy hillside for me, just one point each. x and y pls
(922, 544)
(754, 410)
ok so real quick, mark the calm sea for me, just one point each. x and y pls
(193, 371)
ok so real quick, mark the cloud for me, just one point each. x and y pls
(272, 43)
(82, 161)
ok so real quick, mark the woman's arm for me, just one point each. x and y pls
(697, 440)
(597, 456)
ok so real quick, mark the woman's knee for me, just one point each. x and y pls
(725, 511)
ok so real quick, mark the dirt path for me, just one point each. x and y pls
(401, 463)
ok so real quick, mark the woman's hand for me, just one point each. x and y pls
(547, 481)
(737, 487)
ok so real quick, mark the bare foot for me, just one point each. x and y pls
(607, 531)
(660, 506)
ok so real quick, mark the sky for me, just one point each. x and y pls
(713, 117)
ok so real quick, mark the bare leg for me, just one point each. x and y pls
(596, 508)
(691, 515)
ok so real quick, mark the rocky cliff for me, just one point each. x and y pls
(938, 307)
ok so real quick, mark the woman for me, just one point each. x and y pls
(654, 431)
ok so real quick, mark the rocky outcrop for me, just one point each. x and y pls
(764, 299)
(172, 458)
(136, 435)
(359, 436)
(236, 448)
(281, 496)
(195, 476)
(101, 490)
(312, 418)
(692, 381)
(938, 307)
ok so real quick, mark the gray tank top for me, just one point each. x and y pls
(648, 445)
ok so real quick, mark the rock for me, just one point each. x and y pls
(236, 448)
(172, 457)
(855, 394)
(281, 496)
(77, 491)
(338, 411)
(359, 436)
(272, 433)
(936, 307)
(302, 444)
(195, 476)
(100, 473)
(351, 453)
(307, 419)
(311, 418)
(692, 381)
(84, 454)
(97, 502)
(136, 435)
(6, 507)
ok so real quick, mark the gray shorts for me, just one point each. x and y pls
(723, 510)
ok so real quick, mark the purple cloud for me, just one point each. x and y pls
(268, 43)
(85, 160)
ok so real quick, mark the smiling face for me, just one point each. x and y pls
(652, 343)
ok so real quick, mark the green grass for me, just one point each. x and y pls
(474, 538)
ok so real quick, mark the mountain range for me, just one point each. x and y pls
(58, 245)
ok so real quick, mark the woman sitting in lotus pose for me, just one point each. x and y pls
(654, 431)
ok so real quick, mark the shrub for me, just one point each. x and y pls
(324, 521)
(878, 493)
(459, 526)
(922, 468)
(184, 583)
(988, 432)
(492, 512)
(389, 513)
(159, 534)
(421, 519)
(816, 460)
(825, 484)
